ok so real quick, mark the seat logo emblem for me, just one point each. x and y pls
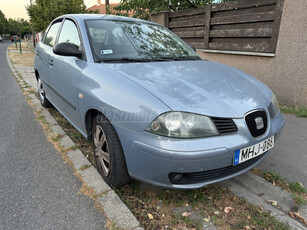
(259, 123)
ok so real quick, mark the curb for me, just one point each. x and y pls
(257, 190)
(113, 206)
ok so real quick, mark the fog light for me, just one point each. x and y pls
(178, 176)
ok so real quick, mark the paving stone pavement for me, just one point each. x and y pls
(23, 51)
(27, 74)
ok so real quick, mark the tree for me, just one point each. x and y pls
(42, 12)
(19, 26)
(11, 26)
(143, 8)
(3, 23)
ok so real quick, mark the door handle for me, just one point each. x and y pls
(51, 62)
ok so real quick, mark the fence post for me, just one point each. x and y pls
(20, 45)
(161, 18)
(166, 19)
(276, 25)
(207, 26)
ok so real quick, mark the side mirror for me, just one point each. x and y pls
(66, 49)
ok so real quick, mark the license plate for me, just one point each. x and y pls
(252, 151)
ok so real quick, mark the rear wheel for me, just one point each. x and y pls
(42, 94)
(109, 156)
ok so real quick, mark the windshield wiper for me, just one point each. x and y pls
(125, 59)
(184, 58)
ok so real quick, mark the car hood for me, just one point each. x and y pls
(201, 87)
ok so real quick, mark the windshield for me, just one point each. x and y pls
(124, 40)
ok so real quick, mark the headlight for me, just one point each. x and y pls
(275, 106)
(183, 125)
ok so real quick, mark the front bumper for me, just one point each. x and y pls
(152, 158)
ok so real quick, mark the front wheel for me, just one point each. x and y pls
(109, 156)
(42, 94)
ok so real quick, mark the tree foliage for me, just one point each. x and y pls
(11, 26)
(3, 23)
(42, 12)
(143, 8)
(19, 26)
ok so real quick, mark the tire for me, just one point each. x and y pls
(42, 94)
(109, 155)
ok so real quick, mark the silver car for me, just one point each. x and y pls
(153, 109)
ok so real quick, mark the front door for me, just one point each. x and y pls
(64, 74)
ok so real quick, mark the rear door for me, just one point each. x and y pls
(43, 52)
(65, 72)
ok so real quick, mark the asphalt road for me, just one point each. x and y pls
(289, 156)
(37, 189)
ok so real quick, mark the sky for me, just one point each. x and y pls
(16, 8)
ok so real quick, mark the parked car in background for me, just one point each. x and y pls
(1, 39)
(153, 109)
(14, 37)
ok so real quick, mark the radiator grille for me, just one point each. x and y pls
(224, 125)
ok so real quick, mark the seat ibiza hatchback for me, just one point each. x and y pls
(153, 109)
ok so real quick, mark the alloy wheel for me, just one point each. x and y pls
(102, 150)
(41, 90)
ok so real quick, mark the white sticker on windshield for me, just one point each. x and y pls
(103, 52)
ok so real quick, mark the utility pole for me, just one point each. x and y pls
(33, 37)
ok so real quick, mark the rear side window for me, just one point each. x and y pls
(69, 33)
(52, 33)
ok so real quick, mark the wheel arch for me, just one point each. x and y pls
(36, 74)
(90, 116)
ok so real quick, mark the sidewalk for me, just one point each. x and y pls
(289, 157)
(249, 186)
